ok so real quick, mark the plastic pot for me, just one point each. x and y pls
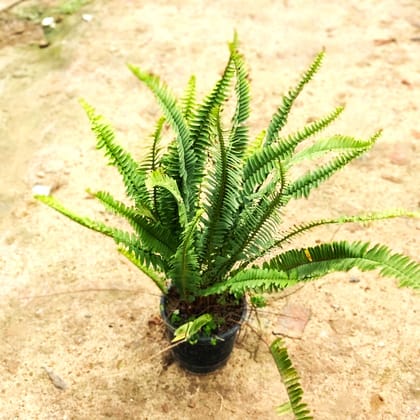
(204, 356)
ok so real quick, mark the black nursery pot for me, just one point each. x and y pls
(204, 356)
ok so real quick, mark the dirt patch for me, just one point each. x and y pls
(70, 304)
(37, 23)
(17, 31)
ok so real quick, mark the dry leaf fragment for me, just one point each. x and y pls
(55, 379)
(379, 42)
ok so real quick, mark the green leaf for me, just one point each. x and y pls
(289, 143)
(363, 218)
(291, 381)
(337, 143)
(155, 276)
(239, 133)
(222, 196)
(133, 176)
(151, 161)
(263, 160)
(201, 125)
(316, 262)
(188, 330)
(283, 409)
(175, 118)
(84, 221)
(146, 258)
(312, 179)
(279, 119)
(118, 207)
(257, 280)
(159, 179)
(185, 268)
(254, 145)
(151, 235)
(256, 223)
(189, 100)
(120, 237)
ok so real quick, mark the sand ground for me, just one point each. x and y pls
(71, 304)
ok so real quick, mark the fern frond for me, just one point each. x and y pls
(151, 235)
(254, 145)
(185, 268)
(312, 179)
(294, 266)
(201, 124)
(155, 276)
(297, 230)
(364, 218)
(260, 163)
(189, 100)
(239, 137)
(222, 197)
(175, 118)
(279, 119)
(315, 262)
(151, 161)
(335, 144)
(133, 176)
(290, 142)
(259, 227)
(214, 99)
(120, 208)
(147, 258)
(84, 221)
(120, 237)
(256, 280)
(166, 205)
(159, 179)
(291, 381)
(256, 223)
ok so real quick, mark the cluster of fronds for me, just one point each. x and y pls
(209, 204)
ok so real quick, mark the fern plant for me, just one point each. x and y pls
(208, 205)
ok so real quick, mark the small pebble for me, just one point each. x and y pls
(55, 379)
(48, 21)
(324, 334)
(39, 313)
(78, 340)
(86, 17)
(39, 189)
